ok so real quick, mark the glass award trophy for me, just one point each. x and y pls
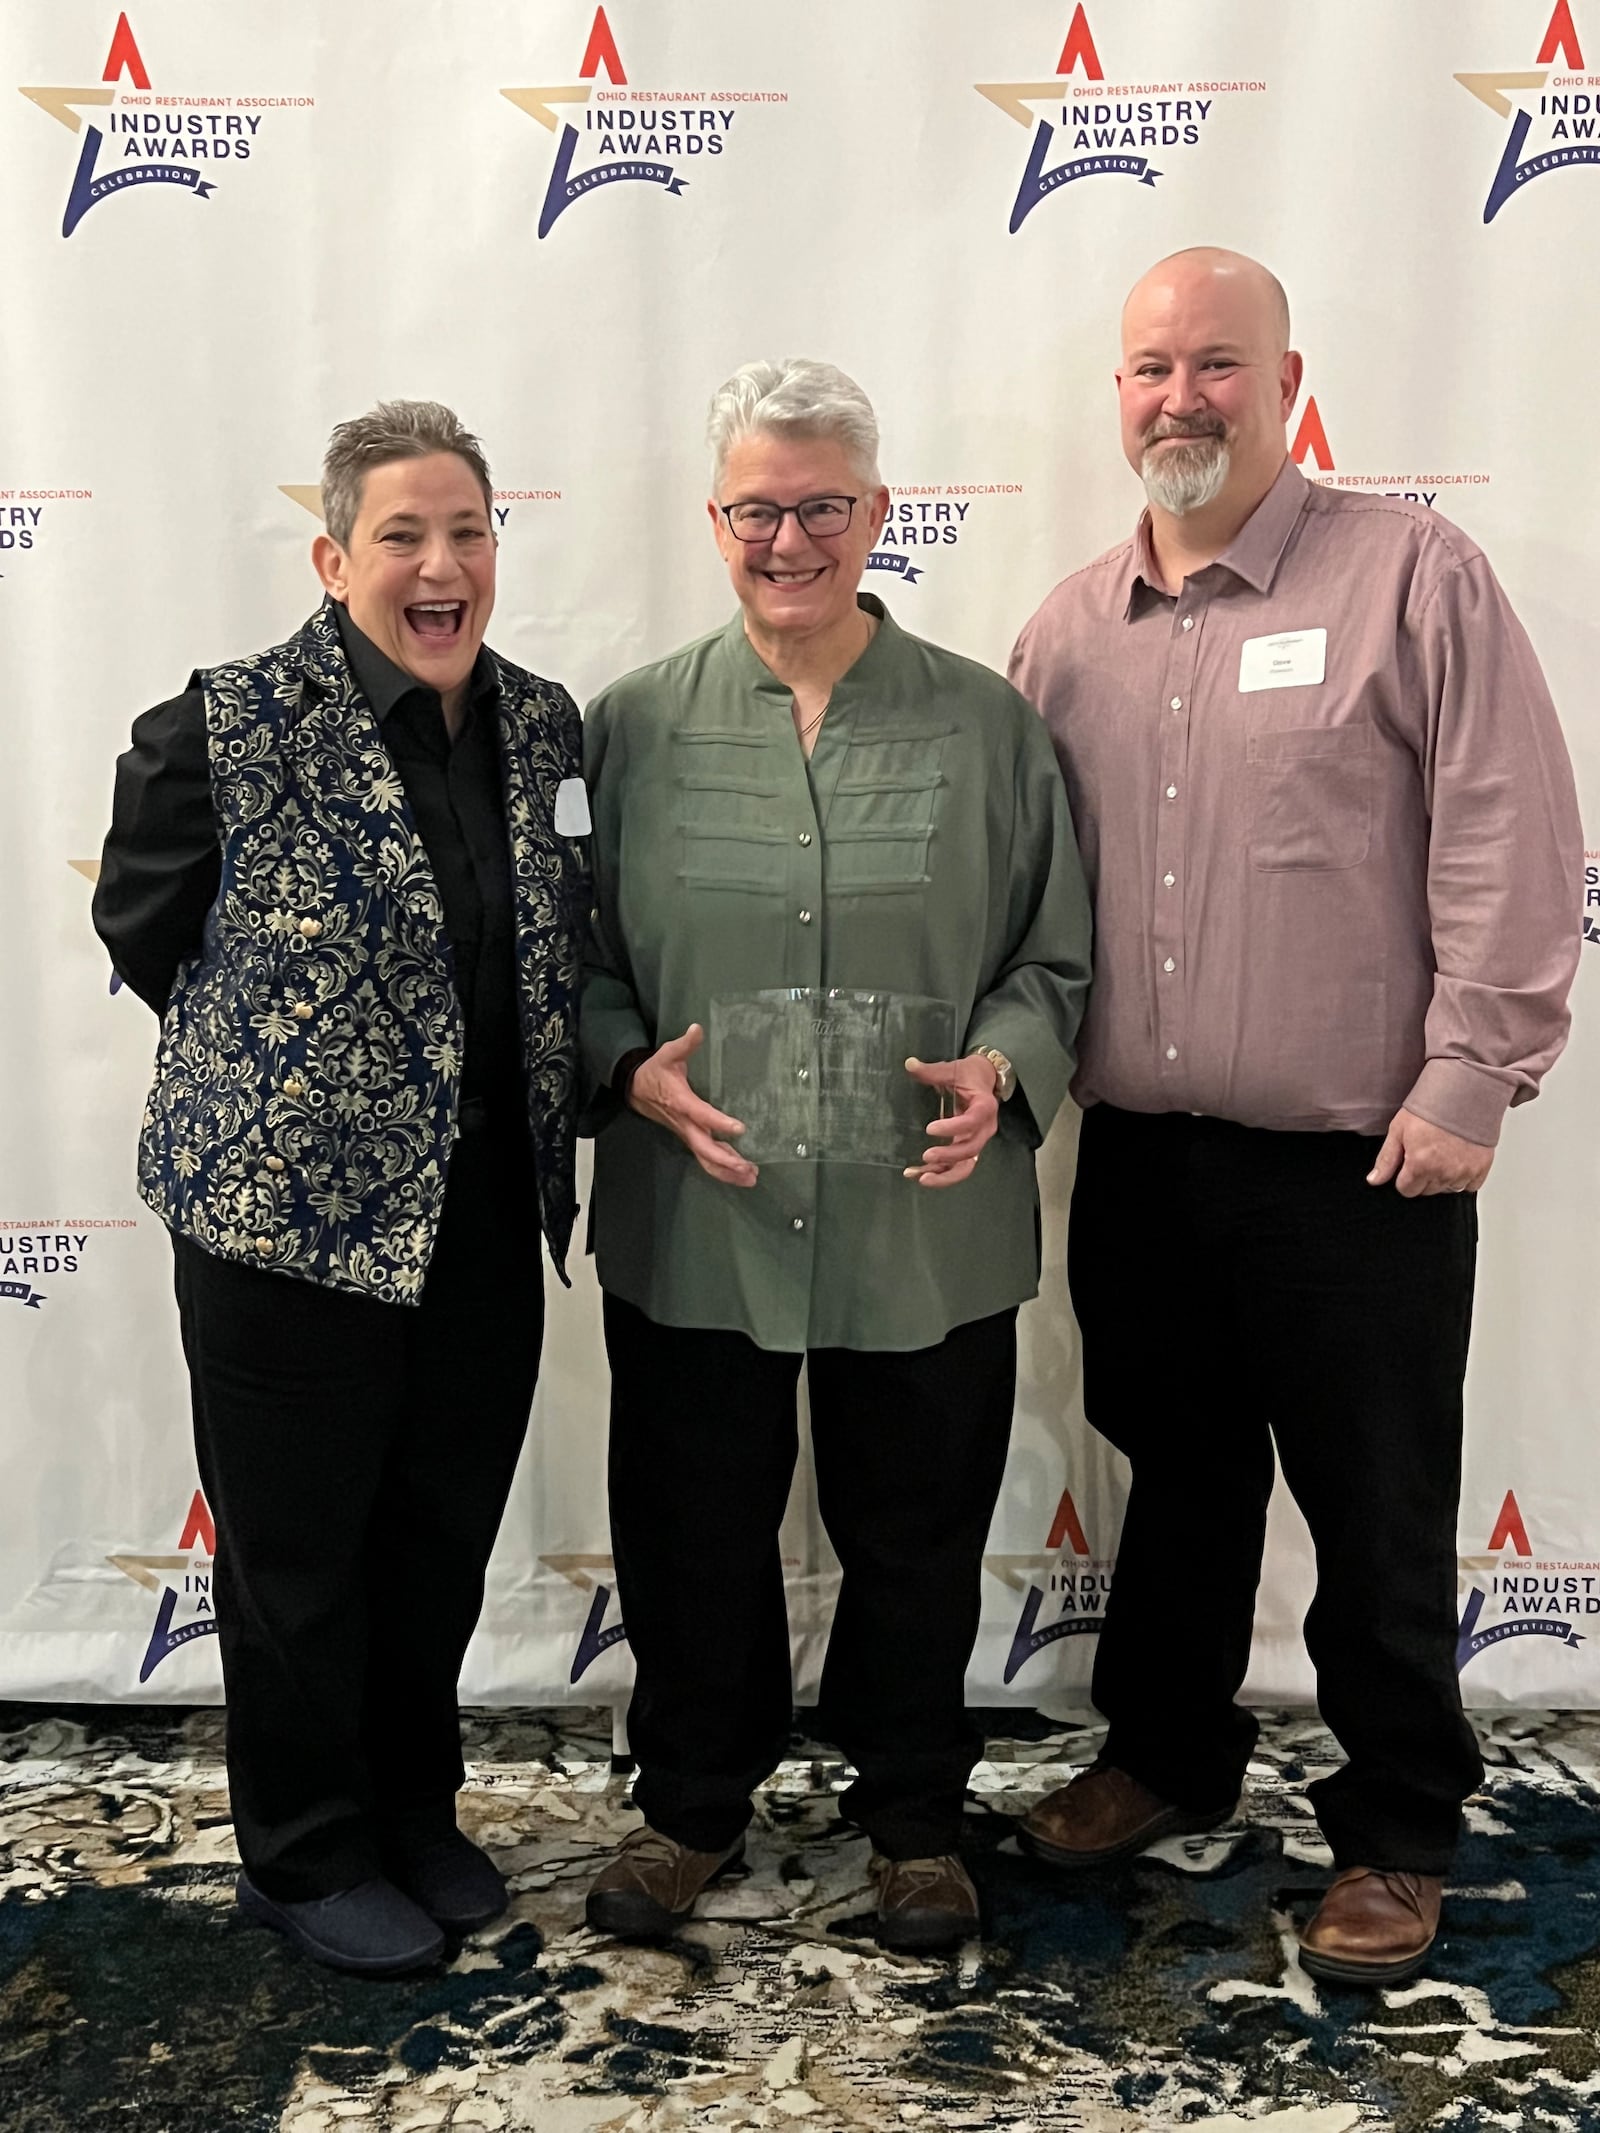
(818, 1073)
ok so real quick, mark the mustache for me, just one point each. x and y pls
(1208, 428)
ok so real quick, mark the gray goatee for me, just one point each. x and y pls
(1185, 477)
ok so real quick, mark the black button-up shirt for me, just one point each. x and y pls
(162, 861)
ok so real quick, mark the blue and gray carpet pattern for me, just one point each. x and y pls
(1160, 1994)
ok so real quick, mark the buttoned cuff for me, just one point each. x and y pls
(1458, 1098)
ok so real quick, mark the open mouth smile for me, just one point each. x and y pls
(793, 577)
(437, 621)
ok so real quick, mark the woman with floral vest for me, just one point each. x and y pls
(350, 875)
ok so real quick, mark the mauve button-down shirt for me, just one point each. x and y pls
(1349, 890)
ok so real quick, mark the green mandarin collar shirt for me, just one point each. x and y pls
(925, 848)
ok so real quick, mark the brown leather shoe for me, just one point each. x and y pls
(1372, 1927)
(649, 1884)
(924, 1903)
(1105, 1814)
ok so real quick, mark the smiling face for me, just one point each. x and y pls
(418, 574)
(1206, 382)
(797, 584)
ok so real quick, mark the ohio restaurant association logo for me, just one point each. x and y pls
(308, 495)
(53, 1249)
(131, 135)
(625, 134)
(1513, 1593)
(1312, 453)
(1107, 129)
(28, 519)
(181, 1582)
(926, 522)
(1551, 111)
(1064, 1591)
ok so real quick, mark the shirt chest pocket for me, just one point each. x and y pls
(884, 812)
(727, 805)
(1310, 798)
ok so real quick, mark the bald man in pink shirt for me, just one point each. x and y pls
(1329, 827)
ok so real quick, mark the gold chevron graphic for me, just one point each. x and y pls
(59, 103)
(537, 102)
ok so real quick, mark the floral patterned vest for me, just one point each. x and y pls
(308, 1073)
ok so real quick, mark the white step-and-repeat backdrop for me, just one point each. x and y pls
(225, 228)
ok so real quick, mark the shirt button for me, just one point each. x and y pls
(805, 836)
(1169, 966)
(1177, 701)
(799, 1147)
(274, 1163)
(310, 928)
(1172, 792)
(1169, 879)
(1172, 1051)
(294, 1088)
(301, 1010)
(1188, 623)
(804, 1074)
(799, 1222)
(805, 918)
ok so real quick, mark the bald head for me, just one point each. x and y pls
(1252, 294)
(1206, 384)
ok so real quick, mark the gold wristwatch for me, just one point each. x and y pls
(1005, 1074)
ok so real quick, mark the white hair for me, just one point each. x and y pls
(794, 398)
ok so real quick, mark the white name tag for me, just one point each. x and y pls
(1293, 660)
(572, 809)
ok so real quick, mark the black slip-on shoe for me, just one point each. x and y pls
(372, 1930)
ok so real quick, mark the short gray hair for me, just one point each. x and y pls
(394, 429)
(794, 398)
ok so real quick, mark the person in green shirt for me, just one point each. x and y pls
(813, 798)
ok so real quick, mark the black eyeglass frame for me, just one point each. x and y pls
(756, 540)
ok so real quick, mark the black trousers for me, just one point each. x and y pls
(1239, 1289)
(909, 1451)
(357, 1457)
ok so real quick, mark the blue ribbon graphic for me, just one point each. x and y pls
(563, 188)
(22, 1293)
(88, 190)
(165, 1640)
(1470, 1640)
(893, 559)
(1038, 183)
(1513, 173)
(1028, 1640)
(596, 1640)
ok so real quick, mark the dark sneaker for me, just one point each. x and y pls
(451, 1878)
(1372, 1927)
(924, 1904)
(1105, 1814)
(650, 1883)
(372, 1929)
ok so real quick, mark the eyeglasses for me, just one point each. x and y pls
(820, 516)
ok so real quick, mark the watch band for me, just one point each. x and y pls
(1005, 1073)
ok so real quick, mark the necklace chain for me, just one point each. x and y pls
(805, 732)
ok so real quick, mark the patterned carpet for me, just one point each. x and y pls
(133, 1997)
